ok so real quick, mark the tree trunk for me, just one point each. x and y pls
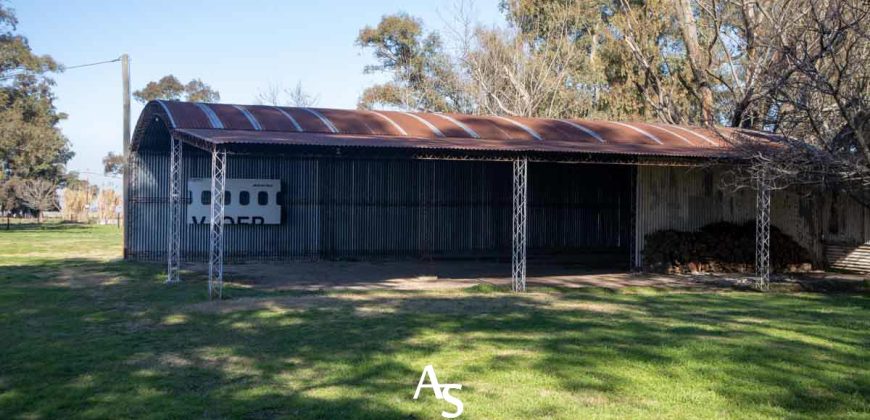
(700, 81)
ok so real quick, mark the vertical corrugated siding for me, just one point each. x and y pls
(578, 206)
(356, 208)
(688, 198)
(845, 227)
(844, 220)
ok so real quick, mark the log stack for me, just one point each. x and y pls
(720, 247)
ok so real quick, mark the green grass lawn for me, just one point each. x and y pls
(83, 334)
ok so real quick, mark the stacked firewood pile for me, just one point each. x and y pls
(720, 247)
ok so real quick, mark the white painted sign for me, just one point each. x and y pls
(246, 201)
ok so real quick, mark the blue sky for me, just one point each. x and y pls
(238, 47)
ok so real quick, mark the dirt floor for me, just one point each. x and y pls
(339, 275)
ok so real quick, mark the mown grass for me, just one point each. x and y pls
(85, 335)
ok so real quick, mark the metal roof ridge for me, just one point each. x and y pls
(168, 112)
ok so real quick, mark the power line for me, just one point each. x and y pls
(93, 64)
(23, 71)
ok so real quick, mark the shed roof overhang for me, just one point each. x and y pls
(259, 128)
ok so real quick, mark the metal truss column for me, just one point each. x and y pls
(174, 251)
(762, 230)
(216, 224)
(520, 203)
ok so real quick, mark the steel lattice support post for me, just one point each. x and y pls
(520, 203)
(216, 224)
(762, 230)
(174, 254)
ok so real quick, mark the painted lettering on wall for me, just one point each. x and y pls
(246, 201)
(229, 220)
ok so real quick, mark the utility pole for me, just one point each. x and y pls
(125, 81)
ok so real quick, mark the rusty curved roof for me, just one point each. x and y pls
(263, 124)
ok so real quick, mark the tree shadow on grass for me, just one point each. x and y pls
(44, 226)
(108, 339)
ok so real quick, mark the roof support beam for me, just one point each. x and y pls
(762, 229)
(175, 176)
(216, 223)
(520, 206)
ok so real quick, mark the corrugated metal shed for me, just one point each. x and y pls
(392, 208)
(364, 205)
(269, 125)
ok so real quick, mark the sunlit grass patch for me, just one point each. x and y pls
(88, 335)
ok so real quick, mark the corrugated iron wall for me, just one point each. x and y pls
(846, 233)
(686, 199)
(357, 208)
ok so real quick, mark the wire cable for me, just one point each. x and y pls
(62, 68)
(93, 64)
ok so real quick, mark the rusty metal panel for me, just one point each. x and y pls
(231, 117)
(241, 124)
(271, 118)
(183, 115)
(244, 137)
(361, 122)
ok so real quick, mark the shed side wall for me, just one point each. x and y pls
(686, 199)
(358, 208)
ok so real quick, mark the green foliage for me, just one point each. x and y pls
(31, 144)
(558, 59)
(113, 164)
(631, 63)
(170, 88)
(423, 74)
(758, 65)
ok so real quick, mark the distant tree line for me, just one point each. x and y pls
(33, 151)
(170, 88)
